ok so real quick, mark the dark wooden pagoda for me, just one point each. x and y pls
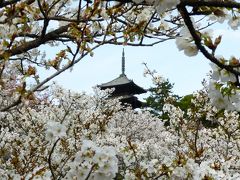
(124, 88)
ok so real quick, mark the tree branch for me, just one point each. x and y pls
(211, 3)
(50, 157)
(197, 39)
(4, 3)
(53, 35)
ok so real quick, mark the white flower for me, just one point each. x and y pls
(215, 72)
(221, 74)
(106, 159)
(179, 173)
(104, 14)
(55, 130)
(192, 50)
(102, 158)
(227, 76)
(181, 43)
(129, 175)
(3, 18)
(185, 43)
(234, 23)
(101, 176)
(144, 15)
(96, 27)
(163, 5)
(219, 18)
(217, 99)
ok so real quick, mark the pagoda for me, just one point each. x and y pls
(124, 88)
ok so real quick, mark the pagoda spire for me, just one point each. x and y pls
(124, 88)
(123, 62)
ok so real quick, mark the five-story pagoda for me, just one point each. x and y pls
(124, 88)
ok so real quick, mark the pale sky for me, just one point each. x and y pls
(185, 72)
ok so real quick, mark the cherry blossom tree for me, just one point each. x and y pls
(31, 29)
(53, 133)
(76, 136)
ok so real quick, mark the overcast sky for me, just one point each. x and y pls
(185, 72)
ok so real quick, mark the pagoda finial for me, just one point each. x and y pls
(123, 62)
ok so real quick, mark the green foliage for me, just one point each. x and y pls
(157, 98)
(184, 103)
(155, 101)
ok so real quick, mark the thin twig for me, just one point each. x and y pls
(49, 158)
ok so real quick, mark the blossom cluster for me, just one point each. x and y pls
(221, 89)
(162, 5)
(185, 43)
(77, 136)
(93, 162)
(59, 134)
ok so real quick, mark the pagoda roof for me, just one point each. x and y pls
(122, 79)
(121, 84)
